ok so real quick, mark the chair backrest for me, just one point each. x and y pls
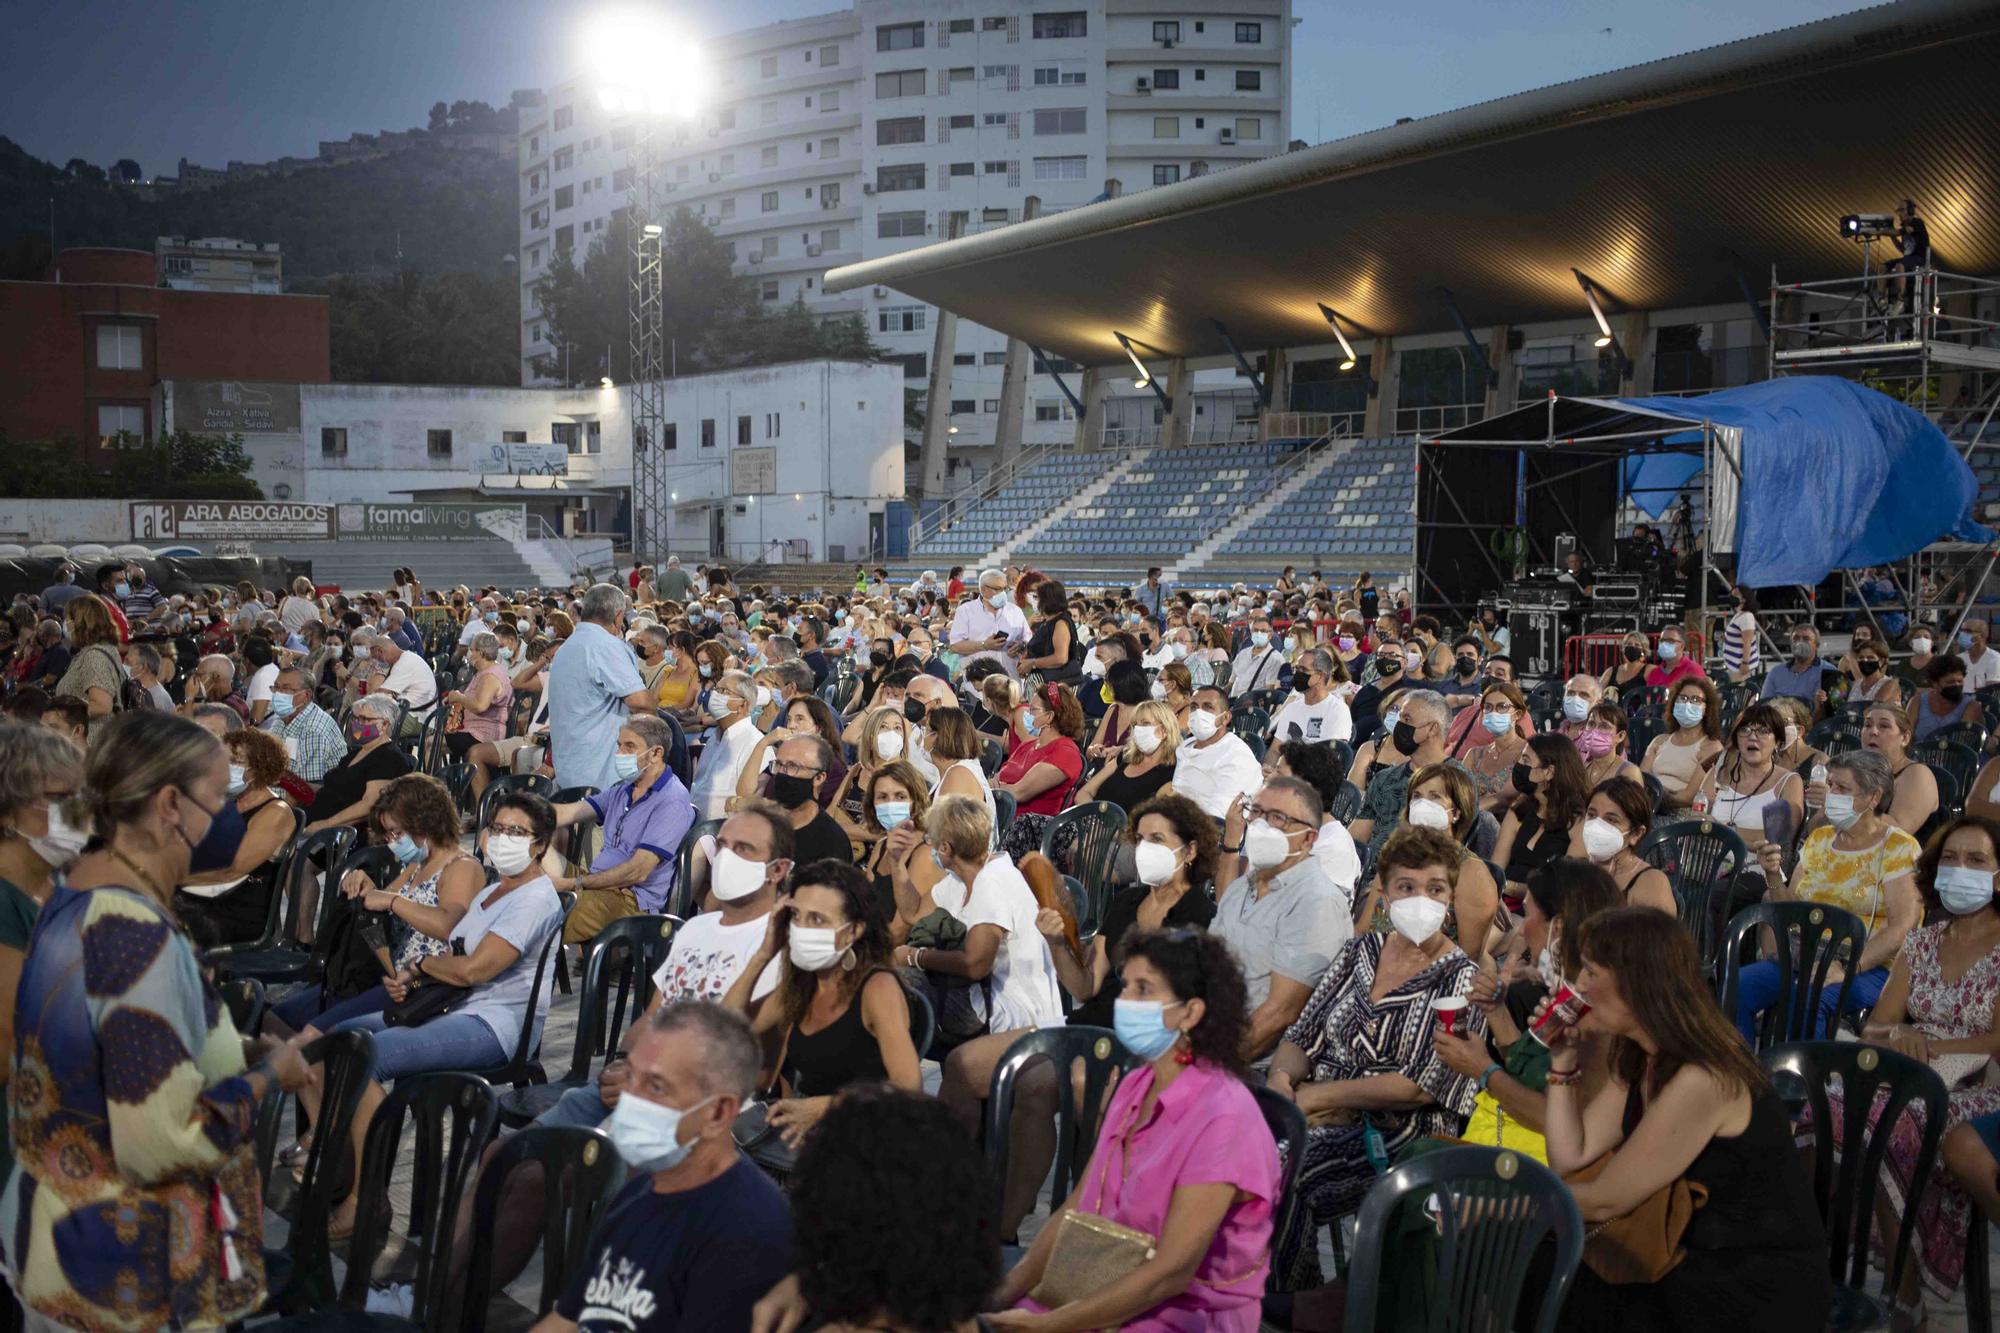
(1003, 813)
(1347, 804)
(322, 849)
(686, 897)
(581, 1171)
(1076, 1126)
(1494, 1209)
(531, 1038)
(1654, 787)
(923, 1020)
(992, 754)
(1701, 859)
(457, 779)
(377, 862)
(1877, 1086)
(430, 738)
(346, 1060)
(1248, 721)
(576, 838)
(244, 998)
(1288, 1128)
(454, 1117)
(618, 983)
(1834, 736)
(512, 782)
(1097, 825)
(1972, 735)
(1956, 766)
(1811, 938)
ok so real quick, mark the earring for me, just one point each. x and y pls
(847, 959)
(1183, 1053)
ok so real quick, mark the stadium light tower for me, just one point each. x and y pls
(654, 78)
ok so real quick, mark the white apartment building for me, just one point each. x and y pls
(219, 264)
(860, 133)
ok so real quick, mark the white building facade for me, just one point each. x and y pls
(860, 133)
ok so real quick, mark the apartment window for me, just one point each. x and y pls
(961, 25)
(829, 149)
(769, 292)
(768, 67)
(768, 113)
(994, 24)
(889, 225)
(743, 430)
(1070, 23)
(907, 177)
(993, 358)
(729, 248)
(1249, 80)
(1060, 120)
(997, 168)
(513, 437)
(989, 405)
(962, 75)
(564, 159)
(1201, 76)
(829, 55)
(708, 432)
(534, 144)
(1166, 127)
(621, 138)
(1052, 76)
(768, 201)
(1250, 33)
(565, 197)
(725, 119)
(769, 157)
(1166, 78)
(1166, 30)
(997, 71)
(900, 319)
(565, 239)
(566, 434)
(768, 247)
(1249, 127)
(333, 441)
(1060, 168)
(593, 437)
(119, 347)
(1052, 409)
(115, 419)
(961, 168)
(916, 365)
(829, 196)
(964, 405)
(900, 83)
(621, 180)
(829, 100)
(774, 425)
(670, 437)
(729, 206)
(1166, 173)
(899, 37)
(964, 359)
(900, 129)
(565, 117)
(961, 122)
(829, 240)
(437, 443)
(993, 118)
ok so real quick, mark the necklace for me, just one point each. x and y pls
(139, 871)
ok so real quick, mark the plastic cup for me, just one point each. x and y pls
(1448, 1008)
(1566, 1009)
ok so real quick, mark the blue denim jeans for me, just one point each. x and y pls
(579, 1108)
(1758, 986)
(452, 1041)
(304, 1006)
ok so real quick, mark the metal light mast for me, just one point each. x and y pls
(645, 328)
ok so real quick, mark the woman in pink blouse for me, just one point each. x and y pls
(1183, 1155)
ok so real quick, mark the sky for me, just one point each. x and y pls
(156, 80)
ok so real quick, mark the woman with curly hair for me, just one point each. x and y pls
(1202, 1180)
(228, 905)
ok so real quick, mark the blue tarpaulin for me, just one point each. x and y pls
(1835, 476)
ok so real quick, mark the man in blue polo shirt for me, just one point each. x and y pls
(645, 817)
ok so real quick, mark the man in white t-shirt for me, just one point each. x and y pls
(1318, 712)
(753, 855)
(263, 664)
(1216, 767)
(1982, 660)
(410, 679)
(731, 705)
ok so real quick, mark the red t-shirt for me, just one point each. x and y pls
(1052, 748)
(954, 590)
(1684, 668)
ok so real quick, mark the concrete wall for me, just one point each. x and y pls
(65, 521)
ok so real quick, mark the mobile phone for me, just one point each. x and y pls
(1778, 823)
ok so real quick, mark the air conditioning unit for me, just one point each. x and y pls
(867, 189)
(1226, 136)
(757, 256)
(881, 292)
(1167, 42)
(714, 176)
(812, 252)
(1145, 85)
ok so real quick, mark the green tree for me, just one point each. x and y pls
(182, 465)
(454, 328)
(440, 119)
(125, 169)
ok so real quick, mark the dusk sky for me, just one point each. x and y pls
(256, 79)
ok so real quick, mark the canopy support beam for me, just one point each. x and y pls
(1257, 381)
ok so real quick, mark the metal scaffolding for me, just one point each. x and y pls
(645, 327)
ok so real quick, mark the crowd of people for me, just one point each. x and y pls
(1356, 865)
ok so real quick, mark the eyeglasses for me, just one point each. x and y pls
(791, 770)
(1755, 734)
(509, 831)
(1278, 819)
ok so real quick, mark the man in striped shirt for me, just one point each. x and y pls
(137, 596)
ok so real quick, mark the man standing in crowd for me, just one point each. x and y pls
(143, 661)
(1215, 767)
(645, 816)
(1257, 666)
(114, 587)
(1152, 595)
(313, 740)
(58, 594)
(732, 736)
(987, 624)
(140, 598)
(593, 686)
(1281, 915)
(674, 585)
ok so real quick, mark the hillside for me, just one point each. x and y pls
(446, 210)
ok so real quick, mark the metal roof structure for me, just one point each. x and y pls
(1673, 183)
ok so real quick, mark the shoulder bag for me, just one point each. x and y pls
(1645, 1244)
(1091, 1251)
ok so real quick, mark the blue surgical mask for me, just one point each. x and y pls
(1964, 639)
(1497, 724)
(996, 600)
(1389, 720)
(282, 706)
(647, 1134)
(626, 766)
(1260, 637)
(404, 848)
(891, 813)
(1575, 707)
(125, 590)
(1141, 1026)
(1689, 713)
(1964, 889)
(1669, 650)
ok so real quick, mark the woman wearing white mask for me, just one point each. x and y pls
(1858, 861)
(39, 774)
(1679, 757)
(1144, 768)
(1618, 816)
(1360, 1060)
(839, 1015)
(1442, 798)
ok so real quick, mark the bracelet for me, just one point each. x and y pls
(917, 958)
(1233, 851)
(1564, 1078)
(1486, 1075)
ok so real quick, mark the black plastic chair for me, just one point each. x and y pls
(326, 847)
(1978, 1281)
(286, 961)
(1956, 766)
(1346, 805)
(1701, 859)
(243, 997)
(1495, 1209)
(923, 1020)
(1848, 1160)
(1249, 721)
(685, 900)
(1076, 1126)
(576, 838)
(510, 782)
(617, 987)
(1003, 813)
(581, 1171)
(1288, 1127)
(1811, 938)
(1970, 734)
(992, 754)
(301, 1278)
(525, 1066)
(1098, 826)
(1834, 736)
(457, 779)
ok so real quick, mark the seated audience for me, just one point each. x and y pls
(1317, 766)
(645, 816)
(1747, 777)
(313, 741)
(1602, 742)
(1043, 763)
(1679, 756)
(1945, 701)
(347, 794)
(1616, 819)
(1214, 768)
(1498, 731)
(1537, 829)
(1144, 767)
(1886, 731)
(1314, 712)
(228, 903)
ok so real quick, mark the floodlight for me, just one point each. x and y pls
(653, 229)
(1349, 360)
(604, 383)
(1144, 377)
(1867, 226)
(643, 66)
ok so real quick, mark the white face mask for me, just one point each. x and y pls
(1202, 723)
(1147, 738)
(1265, 846)
(1156, 862)
(888, 745)
(1426, 813)
(63, 843)
(1601, 840)
(1417, 918)
(763, 697)
(510, 853)
(237, 780)
(734, 878)
(813, 948)
(1158, 689)
(1920, 646)
(1840, 811)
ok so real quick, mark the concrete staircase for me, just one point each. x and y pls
(1257, 512)
(473, 562)
(1110, 477)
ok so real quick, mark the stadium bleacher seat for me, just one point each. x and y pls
(1029, 496)
(1168, 503)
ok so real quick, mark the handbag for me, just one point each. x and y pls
(1645, 1244)
(426, 1000)
(1091, 1251)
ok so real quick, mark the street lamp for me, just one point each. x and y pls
(643, 67)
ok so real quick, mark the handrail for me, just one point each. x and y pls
(952, 507)
(538, 529)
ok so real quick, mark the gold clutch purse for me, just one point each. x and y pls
(1090, 1254)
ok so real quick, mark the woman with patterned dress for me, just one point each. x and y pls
(1942, 1006)
(134, 1203)
(1360, 1060)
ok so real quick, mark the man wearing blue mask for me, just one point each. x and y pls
(700, 1233)
(645, 816)
(312, 739)
(988, 623)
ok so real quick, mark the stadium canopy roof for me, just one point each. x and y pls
(1662, 182)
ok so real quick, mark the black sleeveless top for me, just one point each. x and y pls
(1534, 847)
(844, 1051)
(1042, 643)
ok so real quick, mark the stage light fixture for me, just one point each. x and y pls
(1867, 226)
(1349, 361)
(1604, 338)
(1144, 377)
(654, 229)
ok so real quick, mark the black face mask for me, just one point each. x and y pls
(1635, 654)
(1404, 738)
(1951, 694)
(1869, 666)
(913, 710)
(1522, 782)
(1388, 666)
(791, 791)
(1467, 665)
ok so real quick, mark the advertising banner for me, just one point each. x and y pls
(522, 460)
(753, 471)
(235, 407)
(431, 522)
(162, 521)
